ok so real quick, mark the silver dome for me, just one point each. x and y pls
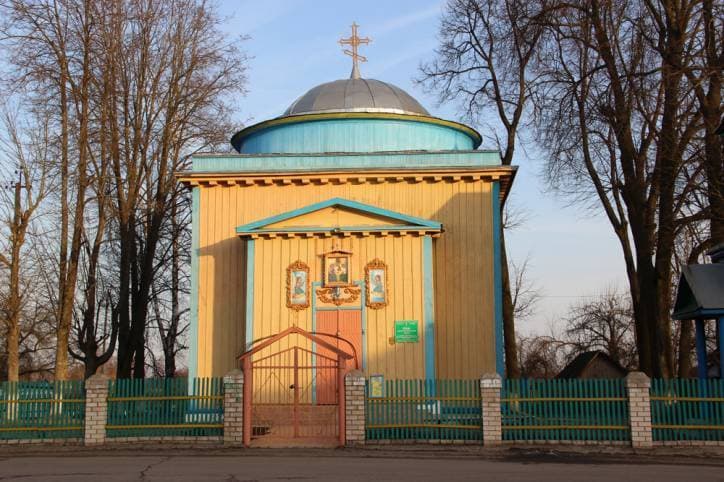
(356, 95)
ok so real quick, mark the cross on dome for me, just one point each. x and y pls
(355, 41)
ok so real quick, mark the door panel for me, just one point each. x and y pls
(350, 328)
(326, 394)
(348, 325)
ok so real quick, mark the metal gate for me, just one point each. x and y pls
(286, 401)
(294, 394)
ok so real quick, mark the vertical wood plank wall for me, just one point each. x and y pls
(463, 273)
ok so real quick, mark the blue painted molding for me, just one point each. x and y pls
(706, 314)
(363, 309)
(340, 229)
(194, 297)
(249, 318)
(412, 222)
(428, 307)
(235, 163)
(498, 282)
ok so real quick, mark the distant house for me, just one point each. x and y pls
(593, 364)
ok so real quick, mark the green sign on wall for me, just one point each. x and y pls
(406, 331)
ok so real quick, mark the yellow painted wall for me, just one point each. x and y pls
(403, 256)
(463, 267)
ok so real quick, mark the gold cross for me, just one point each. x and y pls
(355, 41)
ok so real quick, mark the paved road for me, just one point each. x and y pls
(335, 467)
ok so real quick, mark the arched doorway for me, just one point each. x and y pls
(294, 392)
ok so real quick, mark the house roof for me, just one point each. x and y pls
(701, 292)
(579, 364)
(365, 218)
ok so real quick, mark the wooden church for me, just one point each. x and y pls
(359, 220)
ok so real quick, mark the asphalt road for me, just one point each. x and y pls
(335, 467)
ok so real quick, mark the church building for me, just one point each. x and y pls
(355, 224)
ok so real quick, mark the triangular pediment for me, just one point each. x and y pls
(338, 215)
(335, 216)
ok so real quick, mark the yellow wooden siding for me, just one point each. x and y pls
(333, 217)
(271, 316)
(463, 266)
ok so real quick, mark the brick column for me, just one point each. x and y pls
(639, 409)
(490, 386)
(96, 409)
(234, 408)
(354, 390)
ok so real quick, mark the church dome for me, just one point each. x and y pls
(356, 95)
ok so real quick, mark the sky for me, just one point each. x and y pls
(573, 253)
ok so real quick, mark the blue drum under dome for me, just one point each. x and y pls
(355, 115)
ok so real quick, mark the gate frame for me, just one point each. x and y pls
(246, 368)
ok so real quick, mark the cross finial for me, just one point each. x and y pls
(355, 41)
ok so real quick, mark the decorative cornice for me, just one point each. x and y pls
(503, 174)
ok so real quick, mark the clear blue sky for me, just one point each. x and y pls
(294, 47)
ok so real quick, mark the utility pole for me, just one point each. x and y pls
(17, 238)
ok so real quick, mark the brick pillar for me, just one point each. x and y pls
(639, 409)
(96, 409)
(490, 386)
(234, 408)
(354, 390)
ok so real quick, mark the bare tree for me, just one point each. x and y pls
(525, 293)
(136, 88)
(175, 71)
(605, 323)
(25, 152)
(484, 60)
(541, 356)
(618, 124)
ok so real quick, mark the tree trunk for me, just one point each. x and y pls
(512, 369)
(686, 343)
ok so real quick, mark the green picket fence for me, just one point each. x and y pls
(165, 407)
(687, 409)
(566, 410)
(424, 410)
(42, 410)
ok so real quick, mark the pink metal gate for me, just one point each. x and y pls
(280, 396)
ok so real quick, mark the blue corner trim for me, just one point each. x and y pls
(339, 202)
(700, 349)
(498, 282)
(194, 298)
(428, 308)
(315, 285)
(249, 327)
(720, 330)
(363, 311)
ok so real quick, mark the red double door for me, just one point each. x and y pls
(346, 326)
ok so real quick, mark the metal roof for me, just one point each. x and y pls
(701, 292)
(356, 95)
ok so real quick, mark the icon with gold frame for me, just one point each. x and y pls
(298, 291)
(376, 284)
(337, 269)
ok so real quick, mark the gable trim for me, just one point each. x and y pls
(406, 223)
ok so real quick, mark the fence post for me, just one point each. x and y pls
(639, 409)
(234, 408)
(96, 409)
(354, 388)
(490, 386)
